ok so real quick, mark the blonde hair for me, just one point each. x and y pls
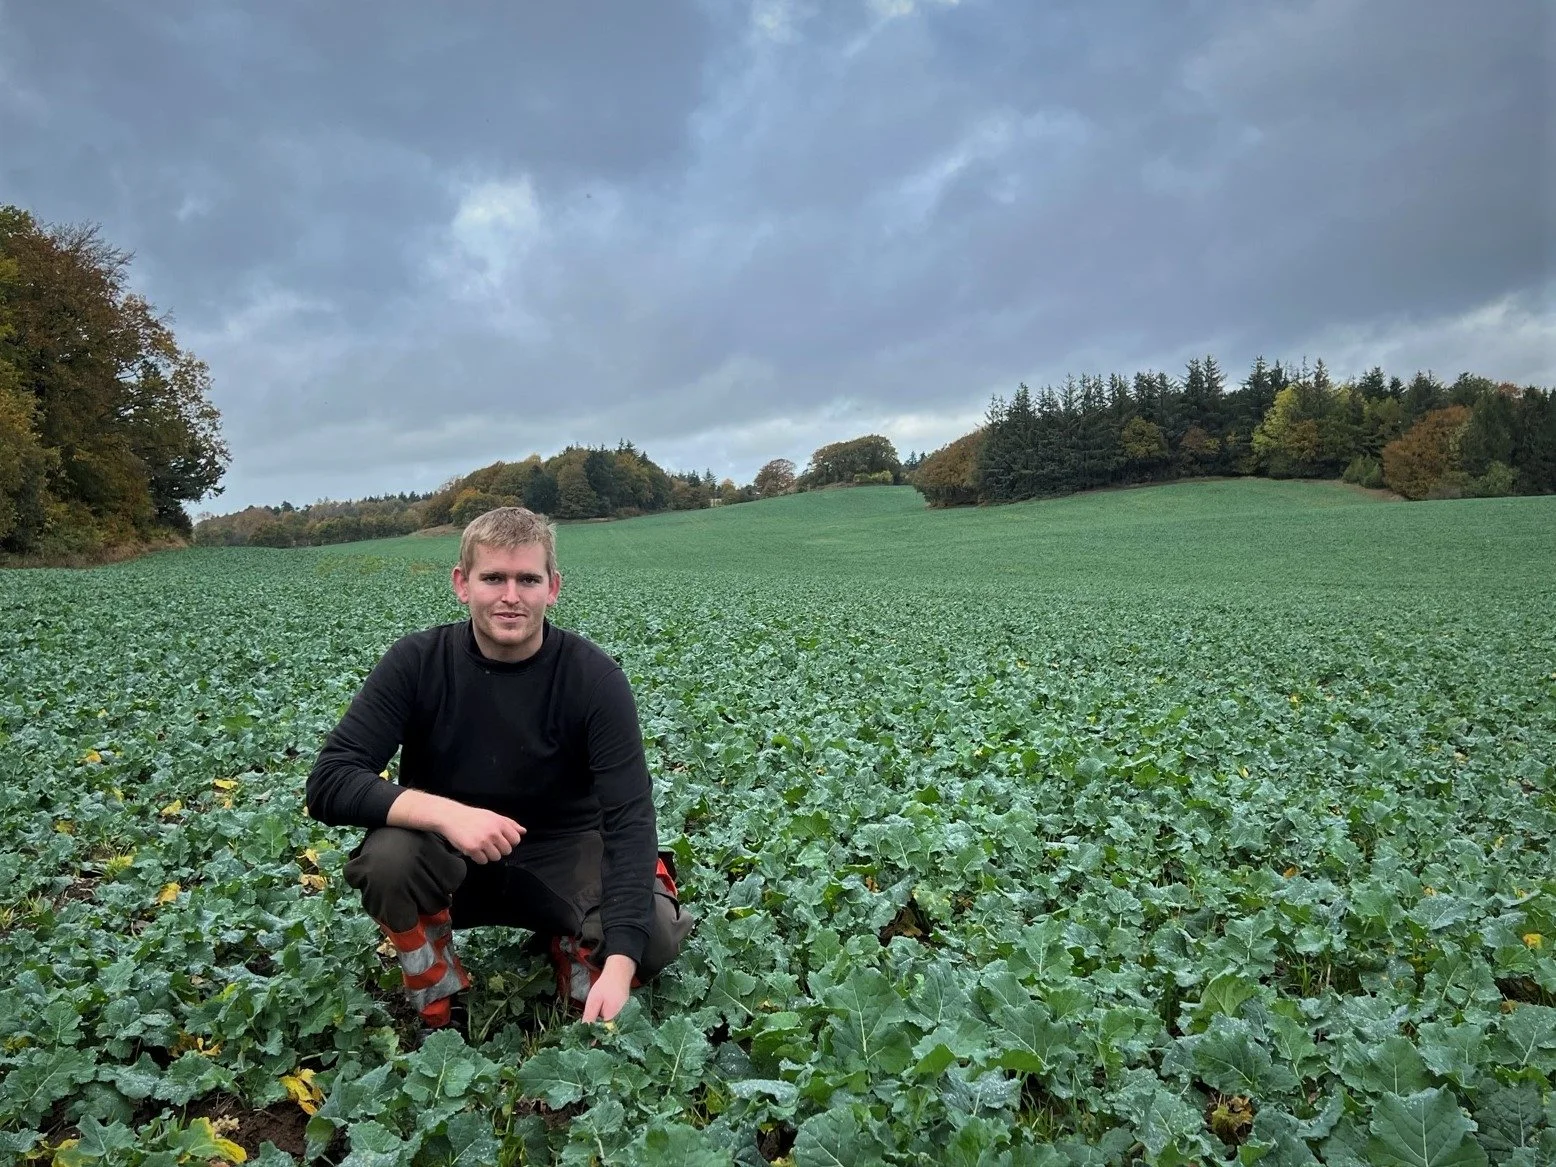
(504, 528)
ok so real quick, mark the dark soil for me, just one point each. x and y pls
(283, 1124)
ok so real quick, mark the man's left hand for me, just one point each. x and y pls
(610, 992)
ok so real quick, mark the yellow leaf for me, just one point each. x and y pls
(172, 809)
(1428, 891)
(1289, 872)
(225, 783)
(117, 794)
(185, 1042)
(226, 1148)
(169, 893)
(226, 804)
(65, 1155)
(311, 856)
(91, 757)
(1243, 770)
(1533, 940)
(65, 827)
(300, 1088)
(117, 864)
(311, 881)
(384, 773)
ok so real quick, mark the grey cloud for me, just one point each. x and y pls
(424, 238)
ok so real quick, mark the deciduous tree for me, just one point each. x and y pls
(1416, 463)
(107, 423)
(776, 477)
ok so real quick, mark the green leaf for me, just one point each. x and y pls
(191, 1076)
(1294, 1045)
(1459, 982)
(933, 1061)
(1392, 1067)
(354, 1095)
(835, 1138)
(1030, 1041)
(733, 994)
(1508, 1117)
(1346, 1145)
(938, 997)
(134, 1082)
(783, 1094)
(101, 1141)
(1161, 1118)
(1281, 1140)
(677, 1145)
(375, 1145)
(472, 1142)
(1224, 995)
(1228, 1059)
(1435, 913)
(19, 1143)
(1527, 1037)
(443, 1068)
(561, 1077)
(989, 1090)
(776, 1036)
(1047, 951)
(1426, 1129)
(1451, 1051)
(41, 1078)
(869, 1033)
(595, 1137)
(678, 1053)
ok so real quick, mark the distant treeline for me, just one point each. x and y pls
(579, 483)
(1422, 439)
(106, 427)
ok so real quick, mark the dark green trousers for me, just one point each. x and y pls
(549, 885)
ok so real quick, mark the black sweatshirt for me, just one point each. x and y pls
(552, 742)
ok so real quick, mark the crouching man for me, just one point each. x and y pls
(523, 797)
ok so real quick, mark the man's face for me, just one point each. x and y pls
(508, 592)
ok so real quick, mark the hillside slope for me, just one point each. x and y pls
(1232, 534)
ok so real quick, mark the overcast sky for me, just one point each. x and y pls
(413, 238)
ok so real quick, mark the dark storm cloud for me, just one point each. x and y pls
(413, 239)
(302, 143)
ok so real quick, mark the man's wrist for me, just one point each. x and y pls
(419, 811)
(622, 968)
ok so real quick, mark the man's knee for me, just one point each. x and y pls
(403, 873)
(672, 925)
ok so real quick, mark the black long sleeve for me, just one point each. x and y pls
(552, 742)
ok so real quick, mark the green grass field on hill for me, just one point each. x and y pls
(1192, 535)
(1202, 823)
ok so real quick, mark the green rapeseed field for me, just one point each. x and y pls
(1201, 823)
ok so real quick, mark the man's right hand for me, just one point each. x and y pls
(484, 836)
